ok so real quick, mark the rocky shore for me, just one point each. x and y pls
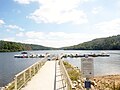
(108, 82)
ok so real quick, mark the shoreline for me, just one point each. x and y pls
(115, 77)
(107, 82)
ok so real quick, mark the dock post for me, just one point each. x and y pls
(33, 70)
(24, 77)
(30, 73)
(37, 67)
(15, 82)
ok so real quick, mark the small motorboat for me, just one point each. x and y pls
(22, 55)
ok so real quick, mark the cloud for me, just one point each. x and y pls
(85, 1)
(1, 22)
(57, 11)
(20, 34)
(118, 3)
(9, 39)
(97, 10)
(23, 1)
(56, 39)
(109, 27)
(15, 27)
(44, 1)
(59, 17)
(64, 35)
(8, 30)
(33, 35)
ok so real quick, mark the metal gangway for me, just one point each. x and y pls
(43, 75)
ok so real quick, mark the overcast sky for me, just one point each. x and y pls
(58, 23)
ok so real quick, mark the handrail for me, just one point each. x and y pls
(55, 76)
(24, 76)
(68, 81)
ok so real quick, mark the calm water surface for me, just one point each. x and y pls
(10, 66)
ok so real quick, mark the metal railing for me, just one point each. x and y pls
(66, 77)
(23, 77)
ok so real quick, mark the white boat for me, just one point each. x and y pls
(22, 55)
(33, 55)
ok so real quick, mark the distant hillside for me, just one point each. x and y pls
(7, 46)
(109, 43)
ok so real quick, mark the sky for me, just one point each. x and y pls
(58, 23)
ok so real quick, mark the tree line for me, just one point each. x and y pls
(7, 46)
(109, 43)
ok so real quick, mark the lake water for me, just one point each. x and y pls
(10, 66)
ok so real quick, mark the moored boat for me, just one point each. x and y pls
(22, 55)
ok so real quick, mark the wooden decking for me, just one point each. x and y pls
(60, 82)
(46, 79)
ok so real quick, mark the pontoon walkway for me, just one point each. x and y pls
(45, 78)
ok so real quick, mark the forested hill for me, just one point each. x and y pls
(109, 43)
(7, 46)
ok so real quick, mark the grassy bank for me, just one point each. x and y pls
(72, 72)
(108, 82)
